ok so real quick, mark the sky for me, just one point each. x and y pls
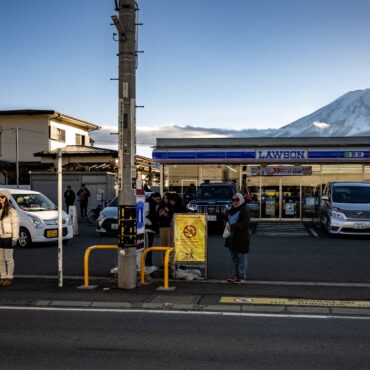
(208, 67)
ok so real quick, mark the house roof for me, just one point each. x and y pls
(78, 150)
(52, 115)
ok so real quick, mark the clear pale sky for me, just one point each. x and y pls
(206, 63)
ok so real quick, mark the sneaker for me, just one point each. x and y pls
(231, 280)
(237, 281)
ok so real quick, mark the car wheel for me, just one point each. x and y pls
(24, 240)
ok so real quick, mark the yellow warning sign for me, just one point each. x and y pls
(295, 302)
(190, 237)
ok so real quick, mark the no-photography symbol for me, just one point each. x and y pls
(190, 231)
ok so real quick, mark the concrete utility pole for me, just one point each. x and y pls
(127, 240)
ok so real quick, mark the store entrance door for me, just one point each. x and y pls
(290, 202)
(279, 199)
(270, 197)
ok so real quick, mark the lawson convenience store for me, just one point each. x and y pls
(284, 176)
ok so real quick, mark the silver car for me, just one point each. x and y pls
(345, 208)
(107, 222)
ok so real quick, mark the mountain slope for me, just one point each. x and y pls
(348, 115)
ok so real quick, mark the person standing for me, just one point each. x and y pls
(69, 197)
(164, 211)
(238, 242)
(151, 223)
(9, 235)
(83, 196)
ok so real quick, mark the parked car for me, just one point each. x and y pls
(38, 217)
(345, 208)
(213, 199)
(107, 222)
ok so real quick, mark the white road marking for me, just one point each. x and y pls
(177, 312)
(313, 232)
(212, 281)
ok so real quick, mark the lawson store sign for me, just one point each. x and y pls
(263, 155)
(286, 154)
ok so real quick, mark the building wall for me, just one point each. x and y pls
(100, 184)
(33, 137)
(70, 137)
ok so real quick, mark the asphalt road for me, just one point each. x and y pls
(61, 339)
(277, 254)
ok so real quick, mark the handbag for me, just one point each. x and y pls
(226, 234)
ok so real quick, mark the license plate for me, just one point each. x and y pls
(212, 218)
(51, 233)
(359, 226)
(114, 226)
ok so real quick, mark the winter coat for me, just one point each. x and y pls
(69, 197)
(9, 227)
(239, 239)
(151, 216)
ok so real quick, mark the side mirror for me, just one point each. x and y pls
(324, 197)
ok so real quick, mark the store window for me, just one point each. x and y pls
(177, 177)
(311, 189)
(366, 173)
(341, 172)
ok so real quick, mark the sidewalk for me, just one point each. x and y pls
(257, 297)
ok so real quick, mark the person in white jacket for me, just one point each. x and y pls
(9, 234)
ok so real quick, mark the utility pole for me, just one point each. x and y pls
(127, 223)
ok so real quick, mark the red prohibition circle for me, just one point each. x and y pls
(189, 231)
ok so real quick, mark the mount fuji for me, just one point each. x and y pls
(349, 115)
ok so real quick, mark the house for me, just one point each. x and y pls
(25, 132)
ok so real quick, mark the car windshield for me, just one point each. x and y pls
(215, 193)
(114, 202)
(33, 202)
(351, 194)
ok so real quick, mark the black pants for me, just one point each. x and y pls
(149, 257)
(83, 208)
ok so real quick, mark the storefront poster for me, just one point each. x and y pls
(190, 237)
(289, 209)
(270, 208)
(281, 171)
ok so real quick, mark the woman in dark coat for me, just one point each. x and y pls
(238, 242)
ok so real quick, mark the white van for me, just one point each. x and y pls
(345, 208)
(38, 217)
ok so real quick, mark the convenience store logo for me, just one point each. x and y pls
(282, 154)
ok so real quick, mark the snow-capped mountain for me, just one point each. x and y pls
(348, 115)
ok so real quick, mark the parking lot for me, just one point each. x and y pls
(280, 252)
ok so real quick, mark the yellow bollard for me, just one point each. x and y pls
(86, 260)
(167, 250)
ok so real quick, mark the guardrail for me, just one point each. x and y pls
(86, 260)
(167, 251)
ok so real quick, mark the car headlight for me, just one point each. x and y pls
(227, 207)
(192, 207)
(337, 213)
(37, 222)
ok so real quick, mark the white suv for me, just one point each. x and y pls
(38, 217)
(345, 208)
